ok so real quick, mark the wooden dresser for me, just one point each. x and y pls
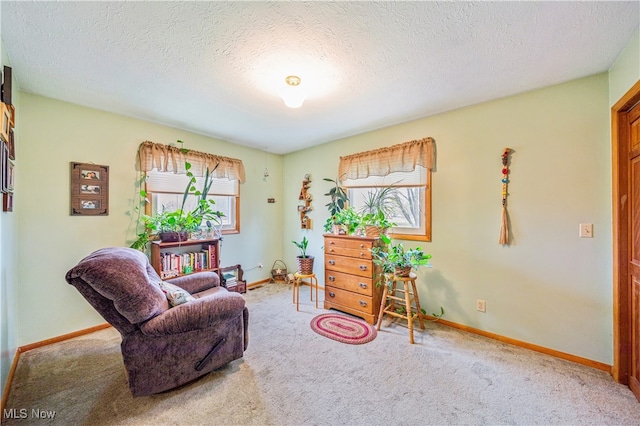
(349, 276)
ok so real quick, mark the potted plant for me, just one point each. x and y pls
(376, 224)
(394, 259)
(378, 204)
(337, 202)
(305, 262)
(177, 225)
(348, 220)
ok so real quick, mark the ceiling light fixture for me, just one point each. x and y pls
(293, 95)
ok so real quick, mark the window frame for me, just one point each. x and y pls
(427, 208)
(149, 207)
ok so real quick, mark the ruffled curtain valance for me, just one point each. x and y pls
(167, 158)
(380, 162)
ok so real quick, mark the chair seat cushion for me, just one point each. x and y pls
(209, 292)
(204, 312)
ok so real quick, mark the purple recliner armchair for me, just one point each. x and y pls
(162, 347)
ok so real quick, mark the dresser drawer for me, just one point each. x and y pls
(350, 243)
(360, 253)
(360, 267)
(346, 298)
(349, 282)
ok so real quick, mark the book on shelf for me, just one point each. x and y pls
(172, 264)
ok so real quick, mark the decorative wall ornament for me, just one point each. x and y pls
(303, 209)
(504, 228)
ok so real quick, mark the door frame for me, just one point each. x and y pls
(620, 194)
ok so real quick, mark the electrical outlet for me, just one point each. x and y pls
(586, 230)
(260, 266)
(481, 305)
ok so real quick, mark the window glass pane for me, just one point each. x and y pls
(172, 182)
(171, 202)
(404, 206)
(167, 189)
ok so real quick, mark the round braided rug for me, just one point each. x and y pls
(343, 329)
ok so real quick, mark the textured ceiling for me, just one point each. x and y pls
(216, 68)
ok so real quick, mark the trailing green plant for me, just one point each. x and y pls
(302, 245)
(394, 256)
(378, 219)
(180, 220)
(349, 219)
(403, 311)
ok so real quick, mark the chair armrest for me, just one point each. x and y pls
(196, 282)
(195, 315)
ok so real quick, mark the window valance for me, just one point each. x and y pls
(167, 158)
(380, 162)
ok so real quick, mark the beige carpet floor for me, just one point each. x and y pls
(293, 376)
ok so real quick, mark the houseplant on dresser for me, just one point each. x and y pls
(379, 204)
(305, 262)
(337, 202)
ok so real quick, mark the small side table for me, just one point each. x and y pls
(298, 279)
(410, 301)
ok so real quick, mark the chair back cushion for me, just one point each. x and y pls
(125, 277)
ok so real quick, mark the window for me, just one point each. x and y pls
(405, 197)
(166, 180)
(401, 176)
(165, 191)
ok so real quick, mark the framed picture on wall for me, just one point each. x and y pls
(10, 178)
(4, 167)
(6, 123)
(7, 202)
(11, 145)
(89, 189)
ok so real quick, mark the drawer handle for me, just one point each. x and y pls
(332, 262)
(330, 250)
(363, 267)
(361, 245)
(363, 285)
(363, 303)
(331, 243)
(332, 278)
(332, 294)
(361, 254)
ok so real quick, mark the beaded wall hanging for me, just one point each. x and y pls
(504, 228)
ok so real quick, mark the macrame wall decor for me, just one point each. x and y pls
(504, 228)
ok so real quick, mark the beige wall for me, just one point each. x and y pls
(51, 241)
(550, 287)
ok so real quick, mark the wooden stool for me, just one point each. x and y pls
(410, 295)
(297, 282)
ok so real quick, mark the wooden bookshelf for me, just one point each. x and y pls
(175, 259)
